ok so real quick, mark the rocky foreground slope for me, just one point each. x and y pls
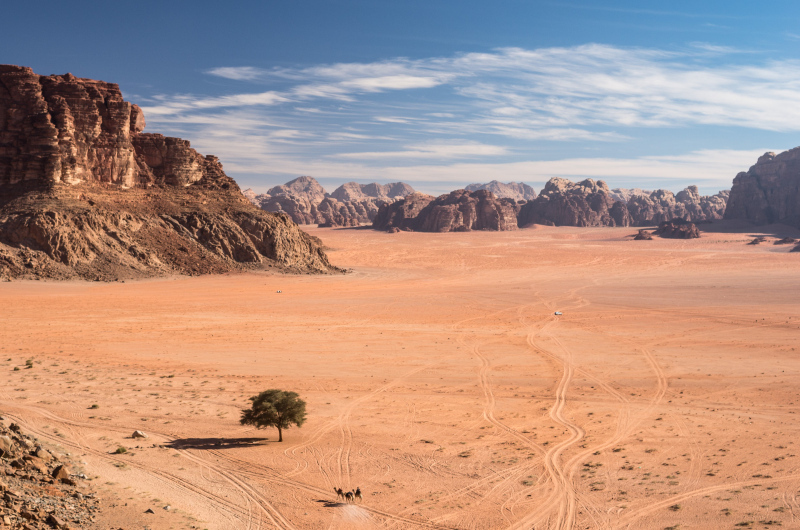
(84, 193)
(351, 204)
(769, 192)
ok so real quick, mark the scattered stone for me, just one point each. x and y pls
(138, 434)
(60, 472)
(149, 510)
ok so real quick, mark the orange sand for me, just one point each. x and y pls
(438, 379)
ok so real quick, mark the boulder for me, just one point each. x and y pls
(677, 229)
(138, 434)
(643, 235)
(60, 472)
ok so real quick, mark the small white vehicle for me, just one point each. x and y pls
(559, 313)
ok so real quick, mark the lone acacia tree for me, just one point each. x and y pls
(275, 408)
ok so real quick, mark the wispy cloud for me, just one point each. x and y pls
(432, 118)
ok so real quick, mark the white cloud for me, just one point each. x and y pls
(437, 150)
(238, 73)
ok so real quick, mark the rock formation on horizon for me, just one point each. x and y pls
(457, 211)
(652, 208)
(85, 193)
(769, 192)
(351, 204)
(566, 203)
(517, 191)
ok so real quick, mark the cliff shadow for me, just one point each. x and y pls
(215, 443)
(746, 228)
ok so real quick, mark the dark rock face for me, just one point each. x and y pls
(565, 203)
(401, 215)
(351, 204)
(677, 229)
(462, 211)
(458, 211)
(84, 193)
(769, 192)
(517, 191)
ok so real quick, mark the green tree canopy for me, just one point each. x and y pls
(275, 408)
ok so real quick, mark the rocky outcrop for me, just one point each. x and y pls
(652, 208)
(677, 229)
(517, 191)
(402, 214)
(458, 211)
(769, 192)
(351, 204)
(85, 193)
(565, 203)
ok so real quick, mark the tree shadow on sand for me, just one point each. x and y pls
(215, 443)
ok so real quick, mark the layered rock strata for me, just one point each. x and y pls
(769, 192)
(85, 193)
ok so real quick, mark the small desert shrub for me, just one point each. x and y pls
(120, 451)
(29, 363)
(95, 406)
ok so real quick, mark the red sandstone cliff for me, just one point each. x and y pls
(85, 193)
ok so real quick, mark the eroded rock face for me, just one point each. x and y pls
(401, 215)
(517, 191)
(351, 204)
(565, 203)
(458, 211)
(85, 193)
(769, 192)
(652, 208)
(677, 229)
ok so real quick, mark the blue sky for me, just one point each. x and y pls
(442, 93)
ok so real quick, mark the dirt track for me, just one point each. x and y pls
(439, 380)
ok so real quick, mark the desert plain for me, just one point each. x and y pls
(438, 379)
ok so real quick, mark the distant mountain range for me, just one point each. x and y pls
(491, 206)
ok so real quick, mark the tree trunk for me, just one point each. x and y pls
(280, 435)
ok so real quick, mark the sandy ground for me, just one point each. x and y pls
(438, 380)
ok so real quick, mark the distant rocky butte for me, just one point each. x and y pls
(351, 204)
(84, 193)
(457, 211)
(565, 203)
(652, 208)
(769, 192)
(517, 191)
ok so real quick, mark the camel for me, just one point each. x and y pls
(357, 495)
(339, 493)
(348, 497)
